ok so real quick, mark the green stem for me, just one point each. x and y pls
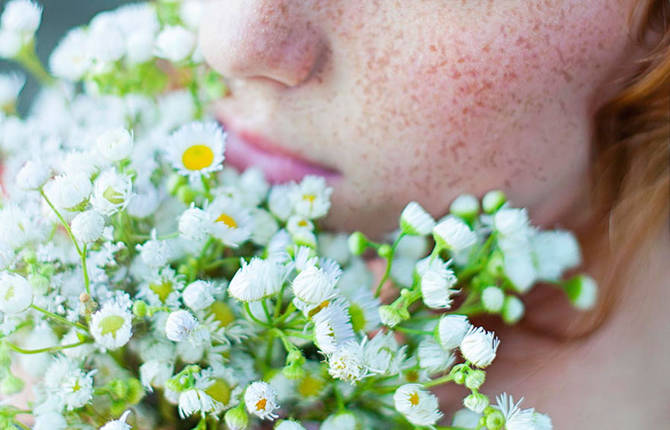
(338, 398)
(266, 311)
(60, 318)
(439, 381)
(389, 262)
(62, 221)
(21, 425)
(289, 310)
(280, 299)
(49, 349)
(253, 317)
(412, 331)
(28, 59)
(84, 268)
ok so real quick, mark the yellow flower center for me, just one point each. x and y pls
(222, 313)
(219, 391)
(310, 386)
(227, 220)
(309, 197)
(162, 290)
(357, 317)
(10, 293)
(414, 398)
(197, 157)
(302, 223)
(111, 324)
(260, 405)
(113, 196)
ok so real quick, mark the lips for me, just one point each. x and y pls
(246, 149)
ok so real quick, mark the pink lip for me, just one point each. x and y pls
(245, 149)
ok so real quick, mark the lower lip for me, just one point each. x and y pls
(278, 167)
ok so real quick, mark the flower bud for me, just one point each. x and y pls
(390, 316)
(385, 250)
(493, 299)
(582, 291)
(415, 221)
(179, 325)
(451, 330)
(476, 402)
(115, 144)
(493, 200)
(495, 420)
(16, 293)
(139, 309)
(466, 206)
(186, 194)
(454, 234)
(237, 418)
(513, 310)
(11, 384)
(459, 377)
(357, 243)
(87, 226)
(32, 175)
(475, 379)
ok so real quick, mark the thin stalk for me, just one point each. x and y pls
(412, 331)
(253, 317)
(439, 381)
(62, 221)
(389, 262)
(84, 268)
(49, 349)
(60, 318)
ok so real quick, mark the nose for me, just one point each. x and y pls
(273, 39)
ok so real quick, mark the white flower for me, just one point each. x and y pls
(347, 363)
(513, 310)
(154, 253)
(195, 400)
(436, 288)
(289, 425)
(465, 418)
(452, 330)
(454, 234)
(198, 295)
(140, 46)
(15, 226)
(476, 402)
(465, 206)
(111, 192)
(313, 285)
(196, 148)
(77, 389)
(10, 87)
(519, 269)
(419, 406)
(175, 43)
(49, 420)
(279, 201)
(332, 327)
(256, 280)
(111, 326)
(32, 175)
(555, 252)
(511, 222)
(232, 224)
(106, 40)
(297, 224)
(154, 373)
(87, 226)
(311, 198)
(115, 144)
(521, 419)
(10, 43)
(23, 16)
(582, 290)
(180, 325)
(191, 12)
(69, 190)
(119, 424)
(415, 221)
(493, 299)
(390, 316)
(71, 59)
(340, 421)
(383, 355)
(432, 357)
(261, 400)
(194, 224)
(265, 226)
(479, 346)
(16, 293)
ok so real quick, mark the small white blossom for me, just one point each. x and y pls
(414, 220)
(313, 285)
(195, 401)
(32, 175)
(465, 206)
(256, 280)
(180, 325)
(71, 59)
(452, 330)
(154, 253)
(340, 421)
(198, 295)
(383, 355)
(231, 223)
(454, 234)
(436, 288)
(16, 293)
(10, 87)
(111, 192)
(194, 224)
(332, 327)
(115, 144)
(476, 402)
(311, 198)
(87, 226)
(511, 222)
(493, 299)
(432, 357)
(513, 309)
(347, 363)
(289, 425)
(479, 346)
(111, 326)
(279, 201)
(582, 290)
(154, 373)
(419, 406)
(23, 16)
(119, 424)
(49, 420)
(69, 190)
(519, 269)
(196, 148)
(10, 43)
(175, 43)
(261, 400)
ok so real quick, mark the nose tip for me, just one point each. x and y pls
(271, 39)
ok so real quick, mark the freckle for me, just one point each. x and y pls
(433, 48)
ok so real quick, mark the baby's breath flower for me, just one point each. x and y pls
(452, 329)
(311, 198)
(479, 346)
(196, 148)
(415, 221)
(87, 226)
(261, 400)
(16, 293)
(454, 234)
(180, 325)
(119, 424)
(419, 406)
(115, 144)
(71, 59)
(347, 363)
(22, 16)
(32, 175)
(175, 43)
(111, 326)
(256, 280)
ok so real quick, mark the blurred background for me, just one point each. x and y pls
(58, 16)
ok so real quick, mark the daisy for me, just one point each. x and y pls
(415, 221)
(196, 148)
(347, 363)
(479, 346)
(311, 198)
(111, 326)
(261, 400)
(313, 285)
(436, 288)
(256, 280)
(332, 327)
(232, 224)
(419, 406)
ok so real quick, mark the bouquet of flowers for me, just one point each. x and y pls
(146, 285)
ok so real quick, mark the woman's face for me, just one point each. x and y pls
(417, 100)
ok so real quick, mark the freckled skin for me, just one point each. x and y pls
(424, 100)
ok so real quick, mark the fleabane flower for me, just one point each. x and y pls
(16, 293)
(289, 425)
(69, 190)
(347, 363)
(415, 221)
(198, 295)
(175, 43)
(383, 355)
(194, 224)
(119, 424)
(111, 192)
(115, 144)
(436, 288)
(479, 346)
(256, 280)
(332, 327)
(313, 285)
(71, 59)
(77, 389)
(432, 357)
(21, 16)
(196, 148)
(111, 326)
(180, 325)
(311, 198)
(419, 406)
(454, 234)
(231, 223)
(521, 419)
(451, 330)
(195, 401)
(261, 400)
(87, 226)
